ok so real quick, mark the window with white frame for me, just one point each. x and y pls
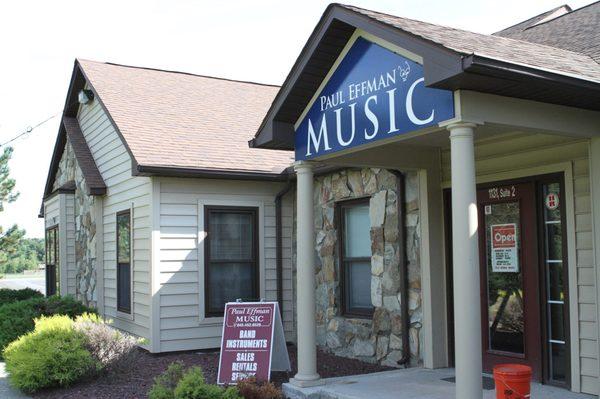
(230, 256)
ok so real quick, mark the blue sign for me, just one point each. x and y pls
(373, 94)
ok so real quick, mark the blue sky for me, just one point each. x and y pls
(248, 40)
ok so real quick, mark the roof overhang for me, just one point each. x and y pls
(173, 171)
(443, 69)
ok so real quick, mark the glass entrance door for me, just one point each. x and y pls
(509, 276)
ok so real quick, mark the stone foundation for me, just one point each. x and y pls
(85, 228)
(377, 339)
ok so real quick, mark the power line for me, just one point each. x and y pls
(29, 129)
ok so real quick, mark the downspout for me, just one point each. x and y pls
(279, 244)
(403, 266)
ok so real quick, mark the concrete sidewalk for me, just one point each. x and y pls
(6, 392)
(416, 383)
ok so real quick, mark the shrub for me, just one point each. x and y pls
(65, 305)
(177, 384)
(53, 355)
(193, 386)
(9, 296)
(231, 393)
(251, 389)
(113, 350)
(17, 318)
(165, 384)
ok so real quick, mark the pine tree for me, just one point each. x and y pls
(8, 241)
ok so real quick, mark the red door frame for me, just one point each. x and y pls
(525, 194)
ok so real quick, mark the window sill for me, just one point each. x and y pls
(211, 320)
(359, 317)
(124, 316)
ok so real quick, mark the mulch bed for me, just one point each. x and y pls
(137, 383)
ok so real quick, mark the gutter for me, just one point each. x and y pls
(514, 71)
(403, 265)
(151, 170)
(279, 243)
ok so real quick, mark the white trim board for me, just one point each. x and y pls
(218, 200)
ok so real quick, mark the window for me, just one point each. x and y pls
(124, 261)
(555, 272)
(355, 257)
(231, 257)
(52, 262)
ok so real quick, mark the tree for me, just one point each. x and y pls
(8, 241)
(7, 184)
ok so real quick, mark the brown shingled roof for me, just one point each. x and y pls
(186, 122)
(577, 30)
(85, 160)
(519, 52)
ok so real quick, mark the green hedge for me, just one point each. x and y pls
(53, 355)
(9, 296)
(176, 383)
(17, 318)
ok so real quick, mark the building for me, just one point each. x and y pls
(502, 132)
(443, 181)
(127, 225)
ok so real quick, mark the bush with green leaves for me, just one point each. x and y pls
(9, 296)
(165, 384)
(52, 355)
(17, 318)
(175, 383)
(114, 350)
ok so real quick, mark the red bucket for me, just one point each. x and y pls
(513, 381)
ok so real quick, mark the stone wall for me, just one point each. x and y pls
(85, 227)
(378, 339)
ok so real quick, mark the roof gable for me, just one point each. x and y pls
(372, 93)
(70, 132)
(182, 124)
(576, 30)
(453, 59)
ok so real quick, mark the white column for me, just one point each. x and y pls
(305, 279)
(467, 309)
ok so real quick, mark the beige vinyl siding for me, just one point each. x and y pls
(71, 267)
(60, 210)
(516, 152)
(289, 295)
(52, 211)
(124, 191)
(182, 201)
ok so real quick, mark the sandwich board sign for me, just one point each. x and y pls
(252, 343)
(505, 257)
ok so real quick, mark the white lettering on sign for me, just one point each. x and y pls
(502, 192)
(355, 91)
(316, 141)
(409, 106)
(505, 256)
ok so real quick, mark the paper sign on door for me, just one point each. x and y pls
(505, 257)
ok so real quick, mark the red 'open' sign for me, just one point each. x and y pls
(505, 257)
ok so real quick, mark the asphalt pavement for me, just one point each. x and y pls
(35, 282)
